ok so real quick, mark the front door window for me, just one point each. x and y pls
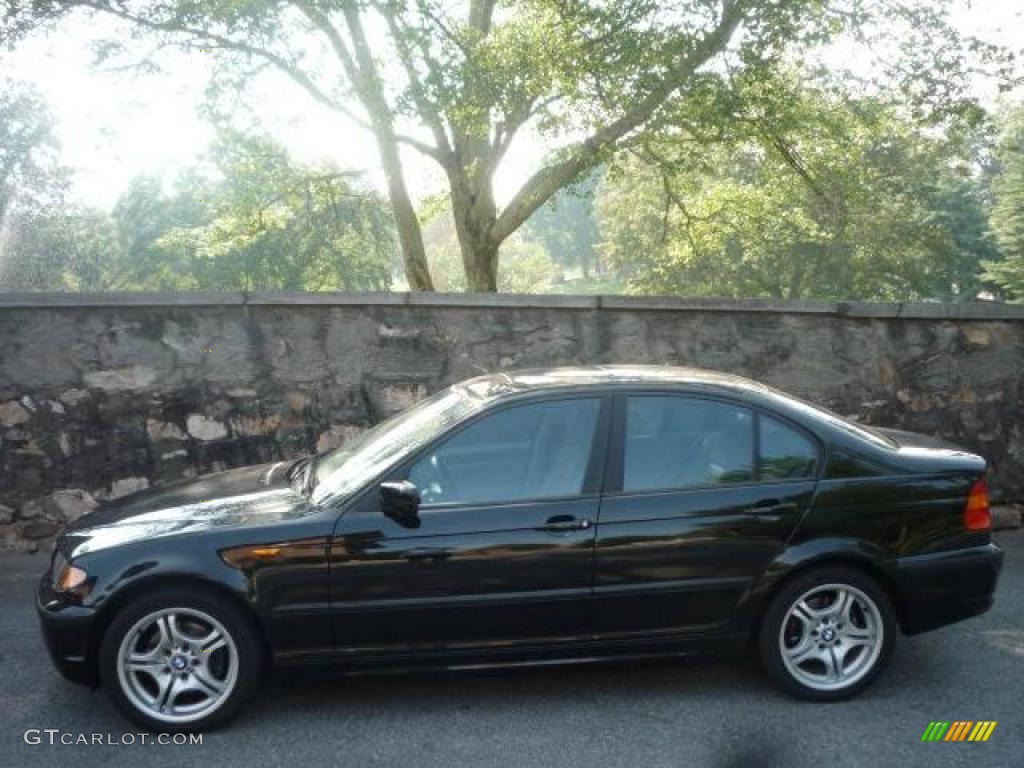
(521, 453)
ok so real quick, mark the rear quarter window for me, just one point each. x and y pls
(843, 464)
(784, 452)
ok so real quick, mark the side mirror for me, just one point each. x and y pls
(401, 502)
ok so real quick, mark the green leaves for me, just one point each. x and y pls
(260, 221)
(675, 80)
(1008, 209)
(58, 250)
(249, 219)
(30, 172)
(566, 226)
(828, 198)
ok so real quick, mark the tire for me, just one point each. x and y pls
(819, 647)
(180, 660)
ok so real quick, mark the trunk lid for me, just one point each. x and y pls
(924, 453)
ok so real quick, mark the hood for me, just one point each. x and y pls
(929, 453)
(250, 496)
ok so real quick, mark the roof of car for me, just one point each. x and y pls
(497, 385)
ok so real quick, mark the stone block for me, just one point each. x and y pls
(130, 378)
(205, 429)
(1006, 516)
(13, 413)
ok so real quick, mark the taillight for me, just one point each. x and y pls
(976, 514)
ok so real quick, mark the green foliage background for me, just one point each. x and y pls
(704, 148)
(1008, 210)
(848, 200)
(250, 218)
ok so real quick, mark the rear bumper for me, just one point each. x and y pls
(67, 631)
(945, 587)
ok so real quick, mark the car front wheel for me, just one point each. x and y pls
(180, 660)
(827, 634)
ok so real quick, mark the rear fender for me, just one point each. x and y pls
(801, 556)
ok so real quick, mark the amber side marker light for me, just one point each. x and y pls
(70, 578)
(244, 557)
(976, 514)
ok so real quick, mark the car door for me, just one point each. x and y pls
(503, 551)
(702, 493)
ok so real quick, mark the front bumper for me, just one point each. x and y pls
(945, 587)
(68, 632)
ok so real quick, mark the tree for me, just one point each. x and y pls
(36, 240)
(1007, 217)
(591, 75)
(960, 207)
(847, 199)
(145, 214)
(567, 227)
(67, 249)
(30, 174)
(525, 265)
(254, 220)
(250, 218)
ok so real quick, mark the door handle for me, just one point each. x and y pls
(771, 510)
(564, 523)
(427, 553)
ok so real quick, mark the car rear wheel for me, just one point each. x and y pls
(180, 660)
(827, 634)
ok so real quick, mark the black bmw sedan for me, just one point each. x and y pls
(569, 514)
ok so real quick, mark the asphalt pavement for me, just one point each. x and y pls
(691, 712)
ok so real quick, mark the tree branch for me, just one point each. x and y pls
(481, 14)
(214, 40)
(584, 154)
(428, 110)
(359, 77)
(792, 159)
(225, 43)
(443, 28)
(506, 130)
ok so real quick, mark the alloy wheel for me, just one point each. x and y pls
(177, 665)
(831, 637)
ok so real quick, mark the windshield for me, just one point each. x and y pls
(342, 471)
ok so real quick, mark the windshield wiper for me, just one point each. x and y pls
(298, 474)
(309, 479)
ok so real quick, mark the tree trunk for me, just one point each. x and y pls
(475, 213)
(362, 71)
(410, 236)
(480, 260)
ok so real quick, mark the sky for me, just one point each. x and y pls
(115, 125)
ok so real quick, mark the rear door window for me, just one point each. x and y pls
(686, 442)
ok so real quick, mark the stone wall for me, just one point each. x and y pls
(103, 395)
